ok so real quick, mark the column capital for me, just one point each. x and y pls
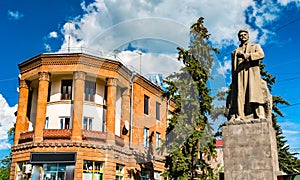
(44, 76)
(111, 81)
(23, 83)
(79, 75)
(125, 92)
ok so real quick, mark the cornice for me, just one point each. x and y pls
(74, 59)
(140, 80)
(56, 145)
(119, 152)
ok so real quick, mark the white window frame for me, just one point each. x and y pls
(146, 104)
(146, 137)
(89, 123)
(157, 140)
(157, 108)
(47, 123)
(62, 123)
(89, 91)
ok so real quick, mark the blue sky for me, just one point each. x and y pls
(154, 28)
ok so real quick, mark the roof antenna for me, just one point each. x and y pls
(140, 53)
(69, 38)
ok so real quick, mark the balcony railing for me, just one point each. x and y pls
(65, 134)
(26, 137)
(119, 141)
(93, 135)
(57, 133)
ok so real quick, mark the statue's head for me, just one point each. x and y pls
(243, 35)
(242, 30)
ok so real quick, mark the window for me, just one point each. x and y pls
(47, 123)
(157, 111)
(87, 123)
(65, 123)
(146, 137)
(157, 140)
(145, 174)
(105, 95)
(157, 175)
(119, 172)
(54, 171)
(23, 170)
(89, 91)
(66, 89)
(146, 104)
(92, 170)
(49, 92)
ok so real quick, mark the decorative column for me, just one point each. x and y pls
(44, 78)
(22, 110)
(111, 109)
(79, 78)
(125, 115)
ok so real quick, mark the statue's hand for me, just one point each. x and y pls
(243, 55)
(240, 54)
(246, 56)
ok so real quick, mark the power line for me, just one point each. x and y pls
(281, 27)
(9, 79)
(287, 24)
(291, 105)
(288, 79)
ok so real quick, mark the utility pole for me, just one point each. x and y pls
(69, 37)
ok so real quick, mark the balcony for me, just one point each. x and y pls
(26, 137)
(57, 134)
(100, 136)
(93, 135)
(119, 141)
(65, 134)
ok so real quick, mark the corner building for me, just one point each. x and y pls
(85, 117)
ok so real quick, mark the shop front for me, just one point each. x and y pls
(47, 166)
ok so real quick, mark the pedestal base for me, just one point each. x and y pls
(250, 150)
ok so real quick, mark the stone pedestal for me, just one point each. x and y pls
(250, 150)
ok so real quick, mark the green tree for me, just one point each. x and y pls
(288, 162)
(190, 141)
(6, 161)
(5, 167)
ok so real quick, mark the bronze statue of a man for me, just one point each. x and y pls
(247, 95)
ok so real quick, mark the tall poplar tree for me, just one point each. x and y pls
(190, 141)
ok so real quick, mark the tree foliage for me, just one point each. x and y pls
(288, 162)
(189, 136)
(5, 162)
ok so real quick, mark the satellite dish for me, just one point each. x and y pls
(125, 128)
(126, 125)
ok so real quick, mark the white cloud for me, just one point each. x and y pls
(290, 132)
(15, 15)
(105, 24)
(7, 120)
(53, 34)
(148, 63)
(225, 68)
(286, 2)
(47, 47)
(157, 27)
